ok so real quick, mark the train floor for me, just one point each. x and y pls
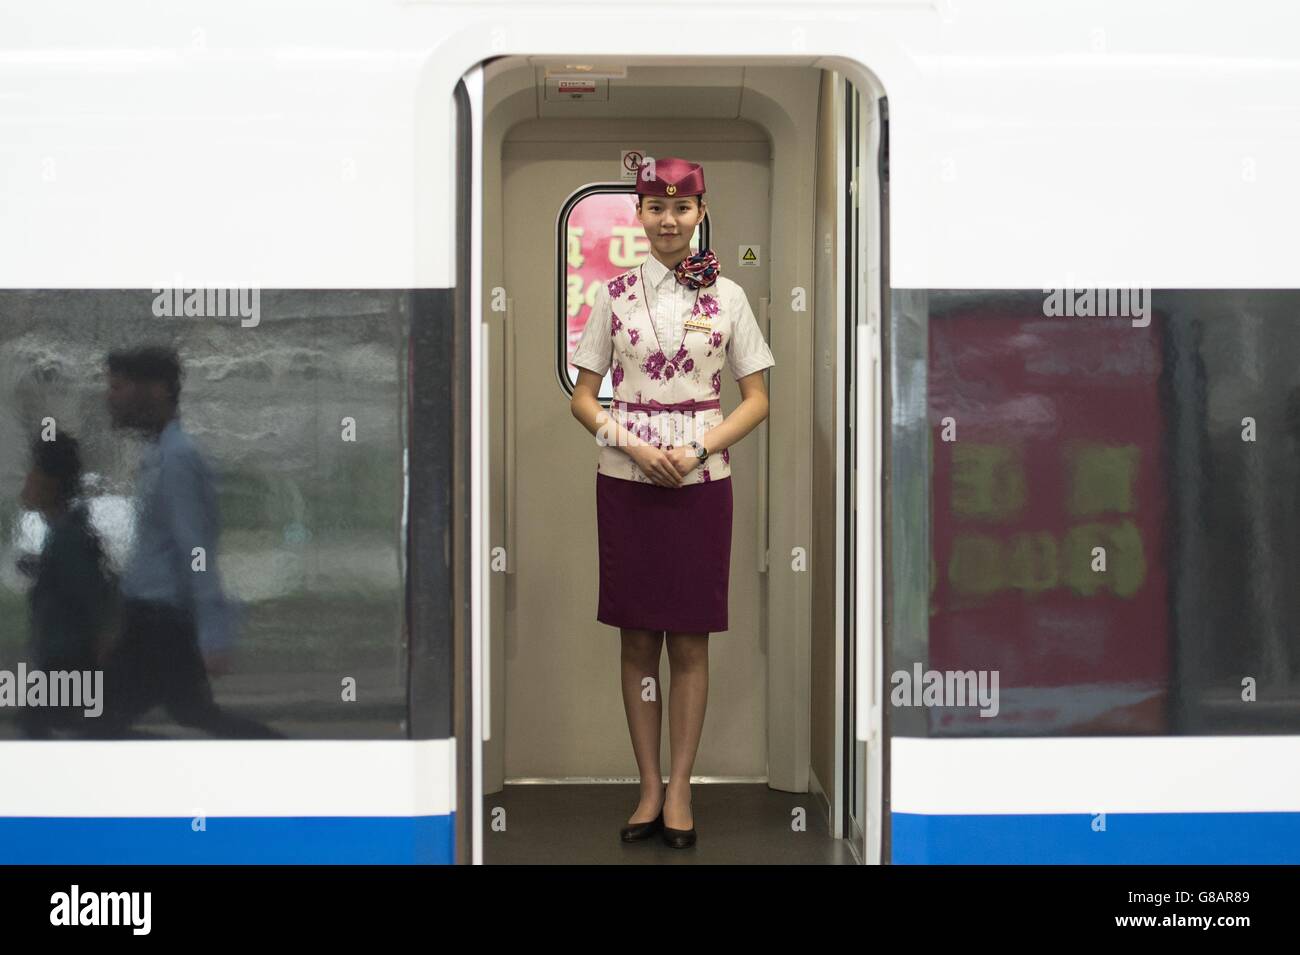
(736, 824)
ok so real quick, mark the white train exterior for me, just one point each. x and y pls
(323, 151)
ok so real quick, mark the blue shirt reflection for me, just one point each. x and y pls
(176, 511)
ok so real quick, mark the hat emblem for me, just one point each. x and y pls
(671, 190)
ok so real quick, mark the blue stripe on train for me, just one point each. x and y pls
(303, 840)
(1132, 838)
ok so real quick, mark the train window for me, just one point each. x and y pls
(1095, 515)
(600, 236)
(249, 579)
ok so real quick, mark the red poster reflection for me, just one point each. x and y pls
(1049, 521)
(604, 238)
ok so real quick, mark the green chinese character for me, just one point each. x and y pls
(988, 482)
(976, 566)
(1032, 563)
(1125, 564)
(1101, 478)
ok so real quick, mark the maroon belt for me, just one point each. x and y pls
(652, 405)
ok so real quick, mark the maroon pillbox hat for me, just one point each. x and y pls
(669, 176)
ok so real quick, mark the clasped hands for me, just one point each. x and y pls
(664, 467)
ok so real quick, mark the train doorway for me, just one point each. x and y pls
(786, 769)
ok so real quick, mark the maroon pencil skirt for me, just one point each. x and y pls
(665, 554)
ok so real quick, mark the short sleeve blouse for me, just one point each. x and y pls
(747, 350)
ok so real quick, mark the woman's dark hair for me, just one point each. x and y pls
(59, 458)
(151, 363)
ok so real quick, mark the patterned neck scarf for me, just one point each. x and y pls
(699, 270)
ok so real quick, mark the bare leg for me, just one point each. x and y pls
(688, 659)
(641, 651)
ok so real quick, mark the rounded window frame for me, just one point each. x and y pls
(562, 274)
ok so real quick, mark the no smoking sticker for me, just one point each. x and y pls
(629, 162)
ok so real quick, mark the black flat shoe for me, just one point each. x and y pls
(679, 838)
(636, 831)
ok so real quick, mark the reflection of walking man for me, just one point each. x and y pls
(72, 592)
(172, 598)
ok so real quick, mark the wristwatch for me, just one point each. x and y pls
(701, 452)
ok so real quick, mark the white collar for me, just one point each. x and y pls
(656, 271)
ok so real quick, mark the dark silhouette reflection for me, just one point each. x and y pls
(176, 622)
(73, 593)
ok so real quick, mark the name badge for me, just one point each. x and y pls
(699, 326)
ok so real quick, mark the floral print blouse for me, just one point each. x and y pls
(621, 336)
